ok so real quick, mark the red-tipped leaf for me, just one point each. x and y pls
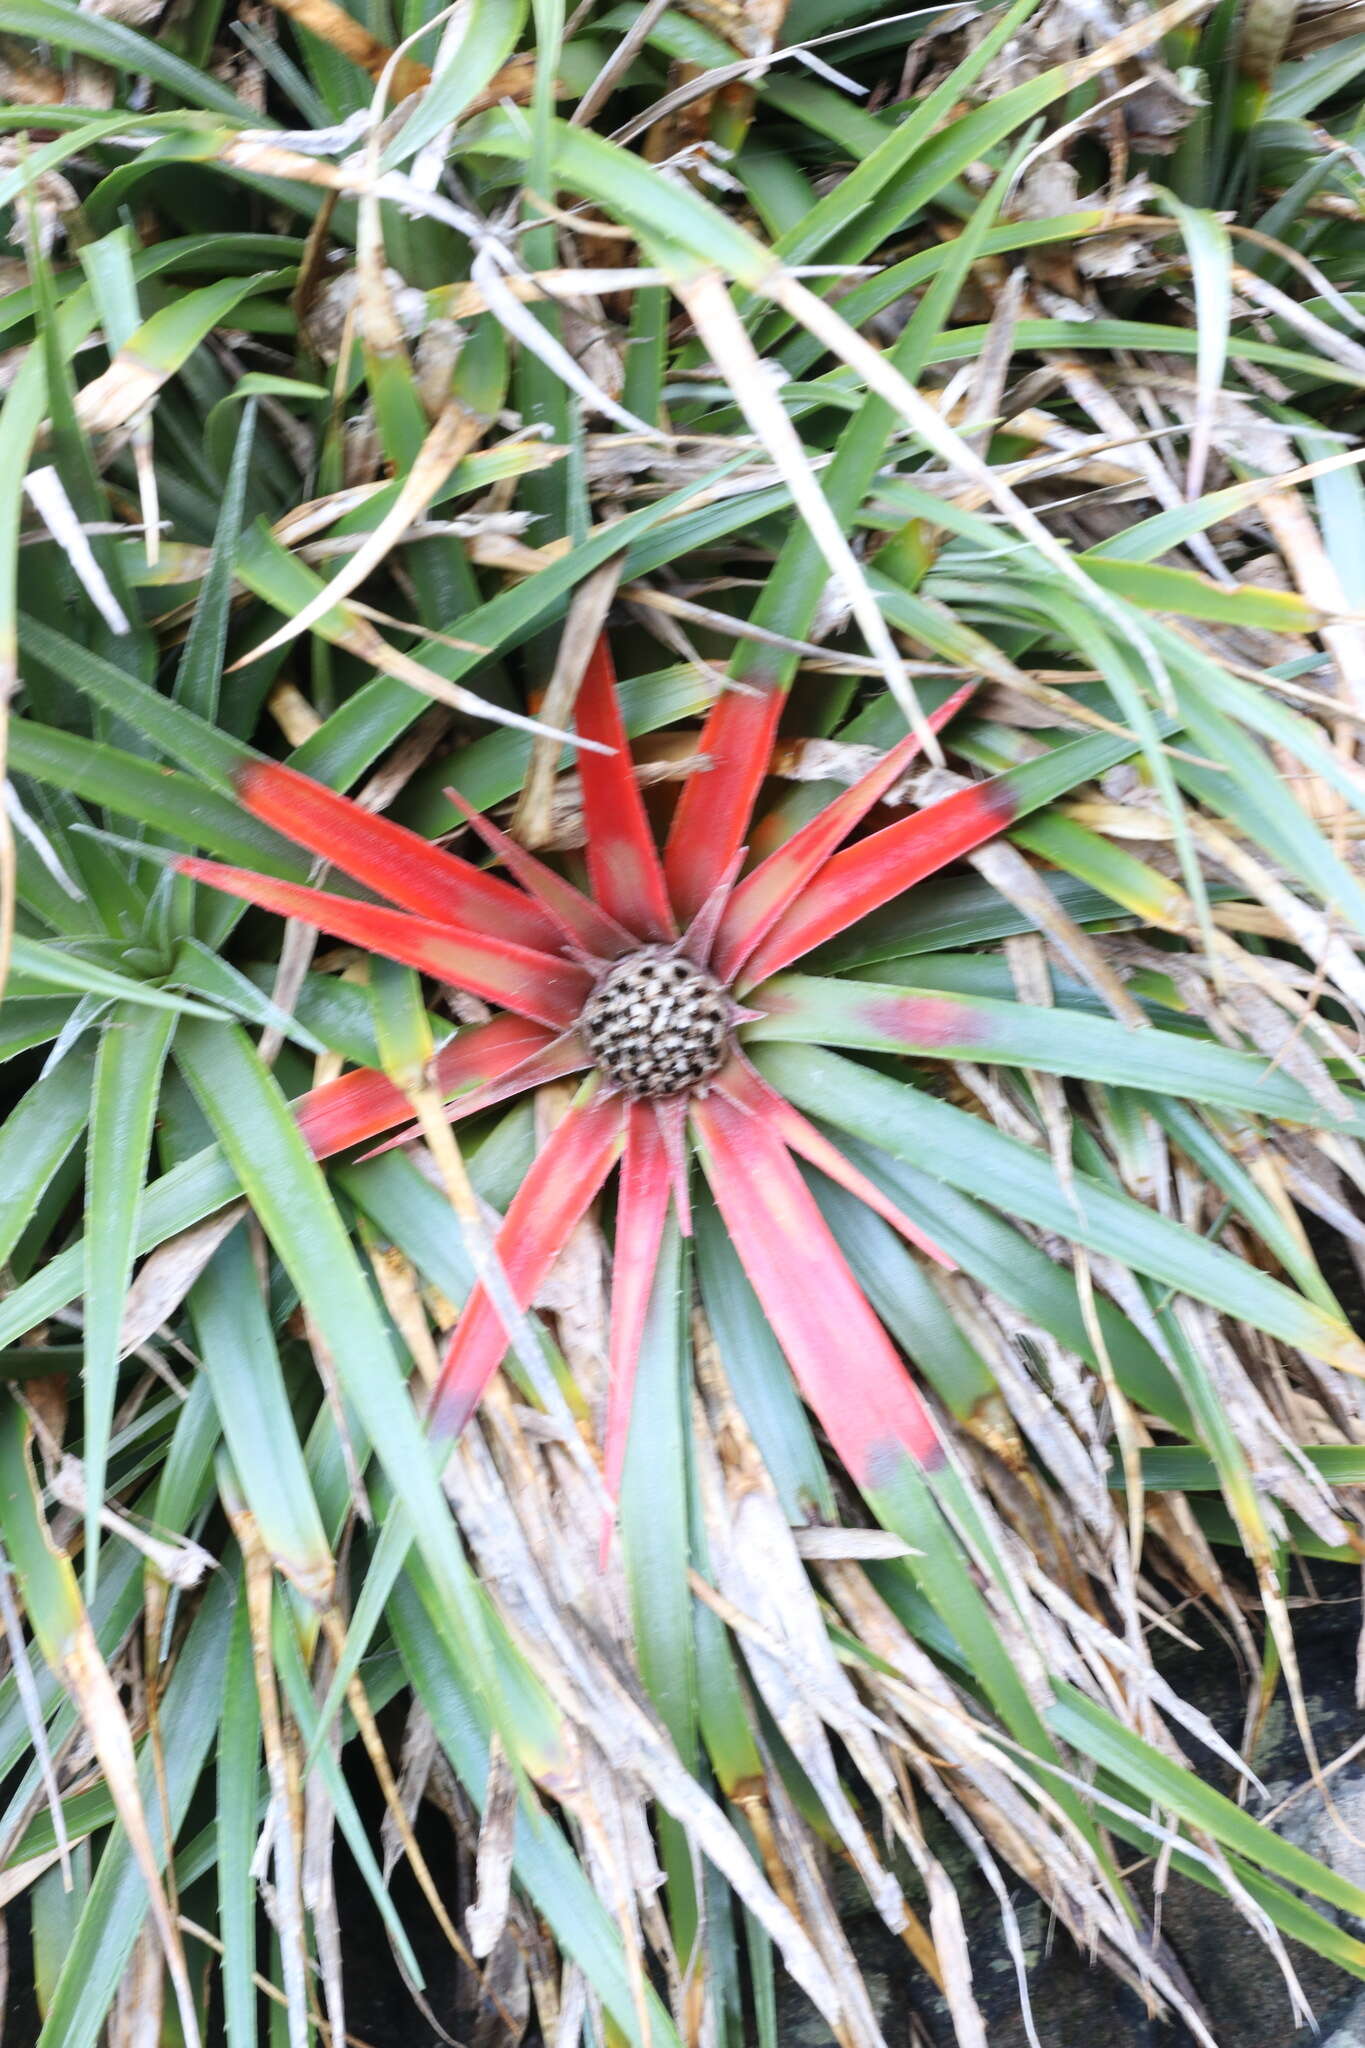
(744, 1086)
(863, 877)
(357, 1106)
(774, 886)
(671, 1113)
(712, 818)
(536, 985)
(623, 862)
(578, 920)
(560, 1060)
(562, 1181)
(641, 1208)
(844, 1362)
(699, 939)
(389, 859)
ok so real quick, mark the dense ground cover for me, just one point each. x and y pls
(680, 918)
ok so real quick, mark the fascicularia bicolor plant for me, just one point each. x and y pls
(645, 984)
(651, 985)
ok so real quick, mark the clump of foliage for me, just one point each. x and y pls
(849, 524)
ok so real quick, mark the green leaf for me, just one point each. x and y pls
(545, 1864)
(1185, 1468)
(1150, 1775)
(656, 1548)
(36, 1137)
(285, 1186)
(759, 1375)
(236, 1345)
(1209, 248)
(198, 678)
(238, 1820)
(186, 737)
(68, 970)
(490, 30)
(117, 1904)
(109, 42)
(132, 1052)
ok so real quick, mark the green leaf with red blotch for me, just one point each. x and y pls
(884, 1017)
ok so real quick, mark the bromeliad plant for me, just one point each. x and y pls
(1009, 1089)
(649, 981)
(655, 982)
(668, 983)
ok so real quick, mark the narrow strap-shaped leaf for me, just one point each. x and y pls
(576, 918)
(362, 1104)
(1209, 250)
(533, 984)
(658, 1552)
(766, 894)
(158, 348)
(747, 1087)
(147, 792)
(123, 1103)
(545, 1862)
(863, 877)
(843, 1359)
(791, 593)
(560, 1060)
(642, 1206)
(237, 1345)
(36, 1137)
(758, 1373)
(285, 1186)
(565, 1177)
(389, 859)
(715, 807)
(58, 969)
(1094, 1732)
(198, 678)
(129, 1881)
(237, 1824)
(110, 42)
(623, 864)
(183, 734)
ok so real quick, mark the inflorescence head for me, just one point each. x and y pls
(656, 1024)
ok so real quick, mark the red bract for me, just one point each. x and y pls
(644, 965)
